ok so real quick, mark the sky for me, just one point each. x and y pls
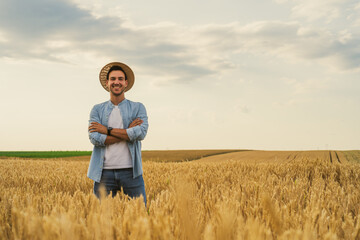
(230, 74)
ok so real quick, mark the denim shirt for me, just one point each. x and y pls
(129, 111)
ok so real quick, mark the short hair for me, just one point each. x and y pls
(115, 68)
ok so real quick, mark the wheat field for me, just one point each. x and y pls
(240, 195)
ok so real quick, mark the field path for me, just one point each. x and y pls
(333, 157)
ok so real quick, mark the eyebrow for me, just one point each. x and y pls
(115, 77)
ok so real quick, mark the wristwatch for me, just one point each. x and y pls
(109, 130)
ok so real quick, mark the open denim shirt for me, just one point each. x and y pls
(129, 111)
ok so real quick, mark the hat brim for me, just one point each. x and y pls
(129, 75)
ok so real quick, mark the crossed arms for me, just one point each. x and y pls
(117, 134)
(136, 131)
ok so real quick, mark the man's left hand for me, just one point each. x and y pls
(97, 127)
(136, 122)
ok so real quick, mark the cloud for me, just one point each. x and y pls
(37, 19)
(286, 40)
(354, 16)
(60, 31)
(320, 9)
(32, 28)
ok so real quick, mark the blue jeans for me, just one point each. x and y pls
(115, 179)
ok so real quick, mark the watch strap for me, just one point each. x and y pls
(109, 131)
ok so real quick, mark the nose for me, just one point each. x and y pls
(117, 81)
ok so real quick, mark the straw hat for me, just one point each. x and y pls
(129, 74)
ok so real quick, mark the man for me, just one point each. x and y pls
(116, 128)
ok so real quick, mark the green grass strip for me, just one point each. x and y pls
(45, 154)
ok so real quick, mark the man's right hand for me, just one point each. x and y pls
(136, 122)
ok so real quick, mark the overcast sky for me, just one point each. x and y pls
(279, 75)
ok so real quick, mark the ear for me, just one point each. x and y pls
(126, 83)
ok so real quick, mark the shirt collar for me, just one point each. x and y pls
(111, 105)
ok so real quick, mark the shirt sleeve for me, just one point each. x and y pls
(139, 132)
(97, 139)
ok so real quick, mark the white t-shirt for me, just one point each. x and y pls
(117, 155)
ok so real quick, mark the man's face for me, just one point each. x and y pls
(116, 82)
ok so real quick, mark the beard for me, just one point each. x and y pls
(116, 93)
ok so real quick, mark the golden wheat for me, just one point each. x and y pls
(307, 197)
